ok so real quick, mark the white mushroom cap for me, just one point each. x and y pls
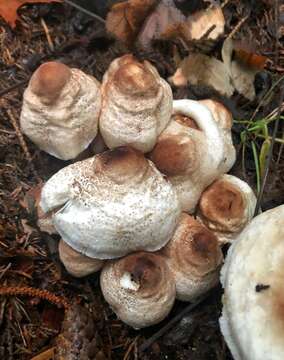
(252, 321)
(112, 204)
(76, 264)
(224, 119)
(190, 151)
(139, 288)
(61, 109)
(194, 257)
(226, 207)
(137, 104)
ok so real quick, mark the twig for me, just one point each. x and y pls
(172, 322)
(95, 16)
(269, 157)
(225, 3)
(237, 27)
(22, 142)
(13, 87)
(33, 292)
(47, 34)
(131, 346)
(265, 96)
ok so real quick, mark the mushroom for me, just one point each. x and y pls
(112, 204)
(252, 321)
(75, 263)
(224, 119)
(139, 288)
(61, 109)
(136, 106)
(194, 257)
(191, 151)
(226, 207)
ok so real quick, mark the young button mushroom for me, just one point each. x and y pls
(226, 207)
(112, 204)
(191, 151)
(61, 109)
(76, 264)
(136, 106)
(252, 321)
(139, 288)
(194, 257)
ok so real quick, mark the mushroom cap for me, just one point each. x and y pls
(194, 257)
(112, 204)
(136, 106)
(190, 151)
(226, 207)
(252, 320)
(76, 264)
(61, 109)
(224, 119)
(139, 288)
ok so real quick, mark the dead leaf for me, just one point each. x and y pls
(45, 355)
(8, 8)
(164, 15)
(200, 69)
(125, 19)
(207, 24)
(242, 74)
(248, 56)
(243, 79)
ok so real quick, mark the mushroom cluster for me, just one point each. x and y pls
(126, 210)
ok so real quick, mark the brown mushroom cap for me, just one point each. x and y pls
(49, 79)
(194, 257)
(139, 288)
(122, 164)
(223, 204)
(76, 264)
(134, 78)
(175, 155)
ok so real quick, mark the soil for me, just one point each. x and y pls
(29, 258)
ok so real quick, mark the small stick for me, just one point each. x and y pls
(95, 16)
(47, 34)
(13, 87)
(22, 142)
(237, 27)
(172, 322)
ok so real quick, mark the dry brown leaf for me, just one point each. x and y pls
(200, 69)
(8, 8)
(164, 15)
(125, 19)
(209, 23)
(45, 355)
(242, 73)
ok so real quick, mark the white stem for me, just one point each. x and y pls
(205, 121)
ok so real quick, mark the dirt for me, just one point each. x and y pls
(28, 325)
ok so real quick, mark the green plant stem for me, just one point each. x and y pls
(256, 161)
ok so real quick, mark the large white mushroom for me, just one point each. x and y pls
(136, 106)
(192, 151)
(112, 204)
(139, 288)
(252, 320)
(226, 207)
(61, 109)
(194, 257)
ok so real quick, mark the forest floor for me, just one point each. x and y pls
(29, 258)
